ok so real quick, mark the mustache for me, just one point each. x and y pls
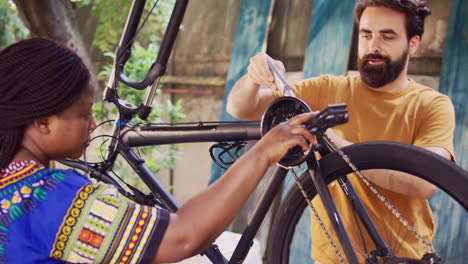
(373, 56)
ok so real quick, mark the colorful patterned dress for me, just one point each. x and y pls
(57, 216)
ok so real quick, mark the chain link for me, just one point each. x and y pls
(382, 198)
(319, 219)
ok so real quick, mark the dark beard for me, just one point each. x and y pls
(379, 75)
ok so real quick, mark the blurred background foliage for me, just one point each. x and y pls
(11, 26)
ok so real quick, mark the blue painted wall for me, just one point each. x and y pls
(454, 75)
(249, 40)
(452, 235)
(329, 38)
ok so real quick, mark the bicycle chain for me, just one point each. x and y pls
(319, 219)
(395, 212)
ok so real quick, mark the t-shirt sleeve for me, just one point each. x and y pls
(314, 91)
(437, 125)
(102, 226)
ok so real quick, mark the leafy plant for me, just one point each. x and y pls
(12, 28)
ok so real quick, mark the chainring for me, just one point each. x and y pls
(283, 109)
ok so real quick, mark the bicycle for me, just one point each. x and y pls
(333, 166)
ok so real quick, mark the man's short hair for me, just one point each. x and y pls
(415, 12)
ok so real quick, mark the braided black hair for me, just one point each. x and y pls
(38, 78)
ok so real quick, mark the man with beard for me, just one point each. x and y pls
(383, 104)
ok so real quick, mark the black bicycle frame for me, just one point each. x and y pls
(236, 131)
(230, 132)
(174, 134)
(136, 136)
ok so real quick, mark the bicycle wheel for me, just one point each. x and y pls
(378, 155)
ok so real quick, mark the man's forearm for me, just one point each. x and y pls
(395, 181)
(248, 100)
(401, 182)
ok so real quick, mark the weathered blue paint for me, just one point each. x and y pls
(451, 237)
(454, 76)
(329, 38)
(249, 40)
(452, 231)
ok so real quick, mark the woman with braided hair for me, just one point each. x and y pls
(57, 216)
(31, 74)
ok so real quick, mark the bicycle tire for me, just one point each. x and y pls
(370, 155)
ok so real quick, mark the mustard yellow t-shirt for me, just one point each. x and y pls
(416, 115)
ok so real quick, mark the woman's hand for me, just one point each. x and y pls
(276, 143)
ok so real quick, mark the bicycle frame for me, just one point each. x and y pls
(157, 135)
(134, 136)
(137, 136)
(197, 132)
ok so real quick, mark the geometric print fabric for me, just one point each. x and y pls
(102, 226)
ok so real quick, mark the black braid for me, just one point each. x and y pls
(38, 78)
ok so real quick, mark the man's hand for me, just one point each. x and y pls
(260, 74)
(253, 93)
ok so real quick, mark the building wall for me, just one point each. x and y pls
(200, 60)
